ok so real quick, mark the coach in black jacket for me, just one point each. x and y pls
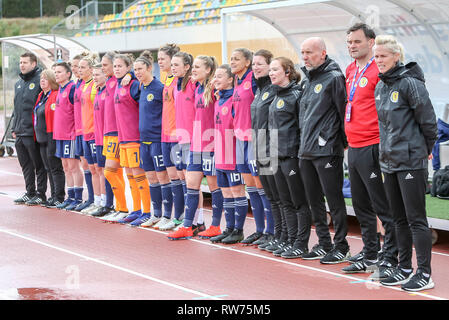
(322, 143)
(26, 92)
(408, 131)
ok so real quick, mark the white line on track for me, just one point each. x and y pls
(138, 274)
(371, 284)
(374, 284)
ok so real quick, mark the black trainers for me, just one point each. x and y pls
(102, 212)
(293, 253)
(35, 201)
(264, 238)
(418, 282)
(23, 199)
(398, 276)
(197, 228)
(358, 257)
(317, 252)
(234, 237)
(335, 256)
(252, 238)
(273, 245)
(267, 243)
(363, 266)
(384, 270)
(282, 247)
(221, 236)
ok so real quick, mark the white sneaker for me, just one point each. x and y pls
(168, 226)
(150, 221)
(108, 216)
(119, 216)
(89, 209)
(161, 223)
(112, 216)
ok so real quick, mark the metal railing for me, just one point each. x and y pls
(81, 18)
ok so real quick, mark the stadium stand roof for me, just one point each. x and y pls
(422, 26)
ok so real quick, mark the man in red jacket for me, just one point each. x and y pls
(362, 131)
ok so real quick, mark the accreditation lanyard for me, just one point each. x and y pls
(354, 86)
(43, 100)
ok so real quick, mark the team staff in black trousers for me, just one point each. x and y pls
(362, 131)
(283, 120)
(43, 129)
(259, 123)
(408, 131)
(26, 91)
(322, 143)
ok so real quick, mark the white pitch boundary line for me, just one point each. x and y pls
(250, 218)
(163, 282)
(373, 283)
(224, 248)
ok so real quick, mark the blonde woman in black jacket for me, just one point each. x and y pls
(408, 131)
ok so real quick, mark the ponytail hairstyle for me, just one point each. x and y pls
(289, 68)
(226, 67)
(92, 59)
(170, 49)
(128, 58)
(146, 58)
(391, 44)
(110, 55)
(247, 54)
(211, 63)
(187, 59)
(66, 66)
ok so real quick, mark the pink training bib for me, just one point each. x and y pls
(242, 98)
(99, 104)
(203, 126)
(224, 136)
(110, 121)
(77, 109)
(185, 112)
(127, 114)
(64, 119)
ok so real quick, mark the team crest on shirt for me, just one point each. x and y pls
(64, 95)
(103, 96)
(394, 96)
(32, 85)
(265, 96)
(112, 84)
(280, 104)
(150, 97)
(318, 88)
(363, 82)
(53, 106)
(224, 111)
(122, 91)
(246, 85)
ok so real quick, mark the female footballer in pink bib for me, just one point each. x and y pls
(201, 160)
(64, 134)
(169, 140)
(245, 87)
(229, 180)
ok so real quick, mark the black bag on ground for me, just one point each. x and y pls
(440, 183)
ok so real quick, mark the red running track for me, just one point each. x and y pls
(55, 254)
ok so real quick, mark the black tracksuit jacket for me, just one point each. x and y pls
(407, 121)
(322, 111)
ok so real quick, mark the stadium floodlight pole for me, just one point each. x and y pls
(41, 7)
(224, 38)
